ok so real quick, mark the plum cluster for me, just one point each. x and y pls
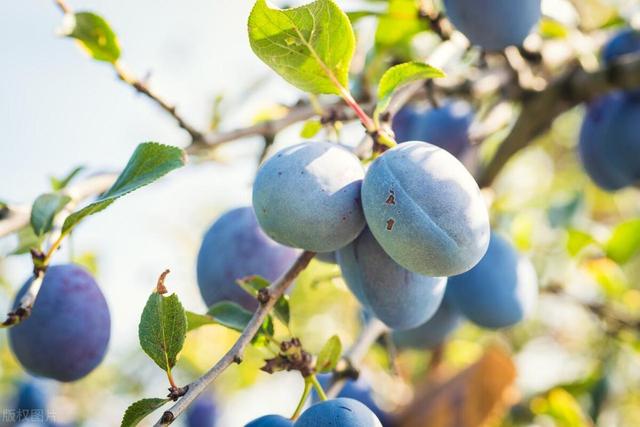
(342, 411)
(609, 145)
(67, 334)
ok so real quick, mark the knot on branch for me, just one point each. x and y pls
(17, 316)
(167, 417)
(177, 392)
(264, 295)
(292, 357)
(346, 370)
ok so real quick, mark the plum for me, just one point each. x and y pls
(609, 146)
(498, 292)
(494, 24)
(425, 210)
(446, 126)
(30, 401)
(361, 391)
(624, 42)
(68, 331)
(342, 412)
(308, 196)
(398, 297)
(271, 421)
(235, 247)
(202, 413)
(433, 332)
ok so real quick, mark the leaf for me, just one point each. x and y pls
(266, 330)
(400, 75)
(310, 46)
(44, 210)
(162, 329)
(282, 309)
(398, 25)
(195, 320)
(27, 239)
(140, 409)
(624, 243)
(329, 355)
(58, 184)
(310, 128)
(149, 162)
(231, 315)
(578, 240)
(94, 35)
(552, 29)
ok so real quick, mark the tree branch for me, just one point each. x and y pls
(539, 109)
(234, 355)
(18, 216)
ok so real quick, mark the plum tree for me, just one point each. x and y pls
(361, 391)
(433, 332)
(271, 421)
(202, 413)
(341, 412)
(425, 210)
(498, 292)
(494, 24)
(373, 277)
(308, 196)
(609, 146)
(235, 247)
(67, 334)
(625, 42)
(446, 126)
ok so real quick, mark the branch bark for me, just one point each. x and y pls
(539, 109)
(234, 355)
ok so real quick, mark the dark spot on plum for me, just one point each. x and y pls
(344, 218)
(346, 408)
(390, 223)
(391, 200)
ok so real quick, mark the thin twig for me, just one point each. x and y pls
(234, 355)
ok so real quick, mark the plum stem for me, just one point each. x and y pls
(308, 385)
(316, 384)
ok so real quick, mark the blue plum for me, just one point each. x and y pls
(271, 421)
(30, 401)
(494, 24)
(426, 210)
(395, 295)
(340, 412)
(498, 292)
(624, 42)
(68, 331)
(308, 196)
(361, 391)
(327, 257)
(432, 333)
(235, 247)
(609, 146)
(202, 413)
(446, 126)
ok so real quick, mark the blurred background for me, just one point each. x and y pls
(60, 110)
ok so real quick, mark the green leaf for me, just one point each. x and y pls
(44, 210)
(400, 75)
(552, 29)
(266, 330)
(140, 409)
(578, 240)
(310, 46)
(624, 243)
(399, 25)
(231, 315)
(310, 128)
(149, 162)
(282, 310)
(195, 320)
(162, 329)
(94, 35)
(357, 15)
(58, 184)
(27, 239)
(329, 355)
